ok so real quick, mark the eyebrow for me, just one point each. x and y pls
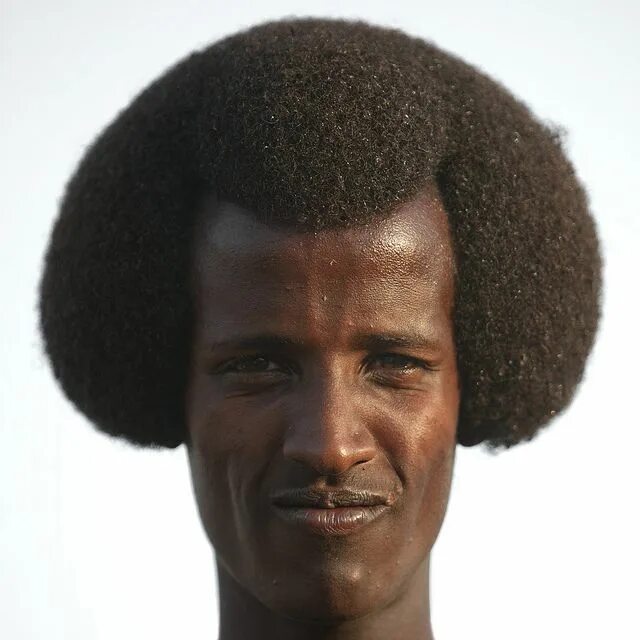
(364, 342)
(410, 340)
(260, 341)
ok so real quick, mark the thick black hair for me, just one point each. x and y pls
(317, 123)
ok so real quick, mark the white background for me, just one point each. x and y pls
(101, 541)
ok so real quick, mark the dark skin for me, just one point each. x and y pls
(323, 361)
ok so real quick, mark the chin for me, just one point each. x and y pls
(330, 598)
(316, 609)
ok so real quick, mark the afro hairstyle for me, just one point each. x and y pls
(312, 124)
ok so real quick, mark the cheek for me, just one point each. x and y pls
(228, 459)
(423, 427)
(422, 447)
(223, 429)
(433, 482)
(425, 450)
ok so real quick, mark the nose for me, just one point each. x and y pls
(326, 429)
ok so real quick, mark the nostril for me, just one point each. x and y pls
(328, 452)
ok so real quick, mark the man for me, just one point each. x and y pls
(319, 254)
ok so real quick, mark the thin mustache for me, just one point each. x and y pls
(320, 499)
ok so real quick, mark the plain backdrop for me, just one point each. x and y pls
(99, 540)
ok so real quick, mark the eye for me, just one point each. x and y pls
(397, 370)
(250, 367)
(399, 362)
(252, 374)
(260, 364)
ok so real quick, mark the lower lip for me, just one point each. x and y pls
(338, 521)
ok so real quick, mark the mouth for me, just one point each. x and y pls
(330, 513)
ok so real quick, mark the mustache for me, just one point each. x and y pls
(332, 498)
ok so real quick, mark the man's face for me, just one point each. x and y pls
(322, 405)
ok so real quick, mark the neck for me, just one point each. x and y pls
(242, 617)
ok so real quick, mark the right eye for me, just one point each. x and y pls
(249, 364)
(253, 373)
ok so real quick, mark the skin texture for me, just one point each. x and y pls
(332, 408)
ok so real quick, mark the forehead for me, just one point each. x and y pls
(248, 274)
(415, 230)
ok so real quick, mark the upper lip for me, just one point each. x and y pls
(323, 499)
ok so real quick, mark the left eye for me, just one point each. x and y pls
(394, 361)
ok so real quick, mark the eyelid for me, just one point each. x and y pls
(228, 365)
(415, 361)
